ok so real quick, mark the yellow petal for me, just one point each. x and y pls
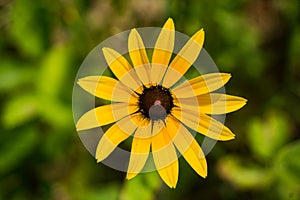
(169, 76)
(157, 73)
(203, 124)
(138, 56)
(106, 88)
(139, 150)
(104, 115)
(109, 141)
(201, 85)
(121, 68)
(165, 157)
(130, 122)
(187, 146)
(213, 103)
(185, 58)
(162, 51)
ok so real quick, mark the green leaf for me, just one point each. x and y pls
(19, 110)
(234, 170)
(56, 113)
(51, 78)
(142, 186)
(287, 164)
(14, 146)
(287, 170)
(14, 74)
(29, 27)
(266, 136)
(110, 191)
(294, 51)
(290, 9)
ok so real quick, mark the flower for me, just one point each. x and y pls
(149, 103)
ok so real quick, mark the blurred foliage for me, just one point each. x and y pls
(42, 45)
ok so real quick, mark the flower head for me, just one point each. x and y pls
(150, 103)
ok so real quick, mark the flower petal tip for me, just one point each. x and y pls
(203, 172)
(79, 125)
(130, 175)
(110, 54)
(171, 183)
(200, 32)
(227, 75)
(169, 24)
(231, 137)
(105, 50)
(100, 156)
(243, 102)
(133, 35)
(227, 137)
(133, 31)
(80, 81)
(199, 37)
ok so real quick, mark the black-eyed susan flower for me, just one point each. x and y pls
(149, 103)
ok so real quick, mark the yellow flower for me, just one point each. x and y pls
(150, 104)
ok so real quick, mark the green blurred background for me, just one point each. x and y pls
(42, 45)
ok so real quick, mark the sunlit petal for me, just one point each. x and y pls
(162, 51)
(109, 141)
(133, 120)
(138, 56)
(201, 85)
(165, 157)
(203, 124)
(121, 68)
(187, 146)
(213, 103)
(104, 115)
(139, 150)
(185, 58)
(106, 88)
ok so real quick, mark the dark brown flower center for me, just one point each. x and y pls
(156, 102)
